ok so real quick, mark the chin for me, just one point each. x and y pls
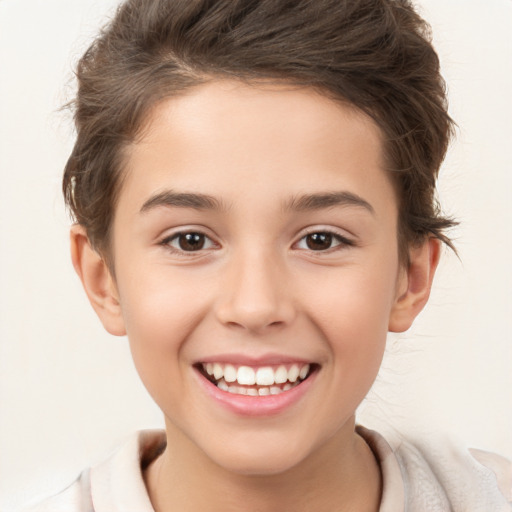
(259, 466)
(259, 458)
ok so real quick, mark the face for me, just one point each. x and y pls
(256, 263)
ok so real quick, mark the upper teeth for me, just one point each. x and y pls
(262, 376)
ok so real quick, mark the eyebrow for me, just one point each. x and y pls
(169, 198)
(306, 202)
(320, 201)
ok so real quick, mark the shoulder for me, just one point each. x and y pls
(75, 498)
(452, 471)
(114, 485)
(440, 475)
(500, 466)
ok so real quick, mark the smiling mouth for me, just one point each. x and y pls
(256, 381)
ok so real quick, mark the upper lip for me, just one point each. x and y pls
(263, 360)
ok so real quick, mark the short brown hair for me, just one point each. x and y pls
(375, 54)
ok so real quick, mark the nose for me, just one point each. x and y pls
(256, 294)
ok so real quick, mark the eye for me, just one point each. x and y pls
(322, 241)
(191, 241)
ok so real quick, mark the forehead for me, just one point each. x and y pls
(281, 140)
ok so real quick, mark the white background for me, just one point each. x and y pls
(68, 391)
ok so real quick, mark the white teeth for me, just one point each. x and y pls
(293, 373)
(281, 375)
(304, 371)
(265, 376)
(230, 373)
(263, 391)
(218, 372)
(246, 376)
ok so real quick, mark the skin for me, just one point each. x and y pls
(257, 288)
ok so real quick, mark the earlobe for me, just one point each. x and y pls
(415, 284)
(97, 281)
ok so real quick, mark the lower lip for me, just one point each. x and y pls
(266, 405)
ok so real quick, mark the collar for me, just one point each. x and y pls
(117, 485)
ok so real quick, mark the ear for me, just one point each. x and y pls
(415, 284)
(97, 281)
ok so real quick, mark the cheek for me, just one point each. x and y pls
(351, 309)
(160, 309)
(159, 303)
(352, 301)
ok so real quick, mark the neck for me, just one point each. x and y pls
(341, 475)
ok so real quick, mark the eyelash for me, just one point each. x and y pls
(341, 242)
(166, 242)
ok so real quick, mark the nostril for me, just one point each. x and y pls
(256, 327)
(255, 316)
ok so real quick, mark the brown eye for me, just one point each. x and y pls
(323, 241)
(319, 241)
(188, 241)
(191, 241)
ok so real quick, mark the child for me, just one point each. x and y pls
(253, 187)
